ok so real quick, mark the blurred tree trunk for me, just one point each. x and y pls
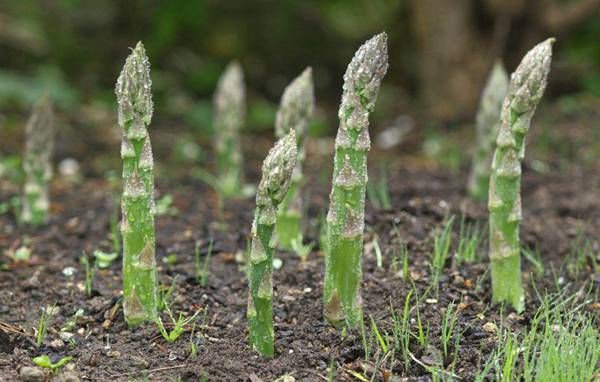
(458, 40)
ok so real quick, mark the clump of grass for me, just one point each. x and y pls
(469, 241)
(202, 268)
(448, 328)
(561, 344)
(441, 251)
(378, 191)
(179, 325)
(43, 324)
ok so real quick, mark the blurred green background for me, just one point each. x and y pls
(440, 54)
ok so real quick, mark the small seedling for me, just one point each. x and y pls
(178, 325)
(449, 321)
(39, 147)
(300, 249)
(44, 361)
(103, 259)
(22, 253)
(135, 106)
(166, 294)
(345, 219)
(525, 91)
(43, 323)
(164, 206)
(276, 177)
(202, 268)
(441, 251)
(378, 191)
(469, 240)
(90, 272)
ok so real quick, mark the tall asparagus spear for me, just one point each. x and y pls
(527, 85)
(276, 176)
(135, 106)
(230, 110)
(295, 111)
(39, 146)
(487, 124)
(345, 219)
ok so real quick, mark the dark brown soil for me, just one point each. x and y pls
(556, 206)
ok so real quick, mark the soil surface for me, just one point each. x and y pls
(557, 207)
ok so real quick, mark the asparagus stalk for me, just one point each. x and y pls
(134, 97)
(276, 177)
(39, 146)
(295, 110)
(487, 125)
(229, 103)
(526, 88)
(345, 219)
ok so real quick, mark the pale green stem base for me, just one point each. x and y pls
(507, 285)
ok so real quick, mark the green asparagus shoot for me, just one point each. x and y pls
(295, 111)
(527, 85)
(276, 178)
(345, 219)
(135, 106)
(487, 125)
(229, 114)
(39, 147)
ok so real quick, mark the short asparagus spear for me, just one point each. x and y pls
(39, 145)
(276, 177)
(135, 106)
(487, 124)
(345, 219)
(526, 88)
(230, 110)
(295, 111)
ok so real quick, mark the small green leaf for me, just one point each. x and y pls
(43, 361)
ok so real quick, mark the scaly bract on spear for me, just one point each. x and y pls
(345, 219)
(134, 97)
(277, 171)
(295, 110)
(526, 88)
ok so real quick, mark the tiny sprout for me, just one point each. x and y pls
(103, 259)
(178, 325)
(22, 254)
(44, 361)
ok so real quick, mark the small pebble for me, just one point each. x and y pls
(69, 271)
(68, 377)
(31, 374)
(307, 290)
(431, 301)
(66, 336)
(113, 354)
(490, 327)
(57, 344)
